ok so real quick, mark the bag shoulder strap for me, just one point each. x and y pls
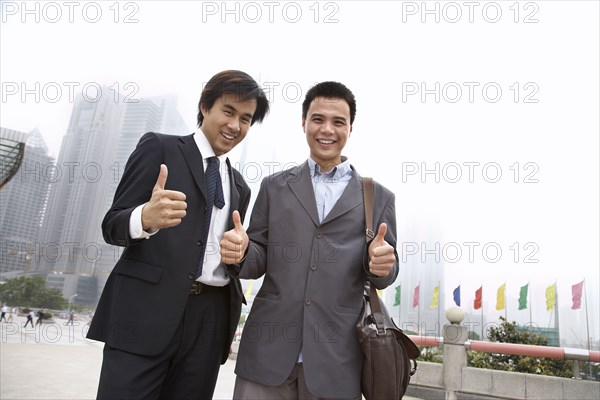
(367, 183)
(368, 202)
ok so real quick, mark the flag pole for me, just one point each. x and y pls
(481, 310)
(419, 309)
(530, 311)
(505, 305)
(556, 324)
(587, 323)
(439, 289)
(400, 304)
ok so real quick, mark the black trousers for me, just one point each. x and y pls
(186, 369)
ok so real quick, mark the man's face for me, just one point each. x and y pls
(226, 124)
(327, 128)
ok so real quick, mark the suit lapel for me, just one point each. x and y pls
(234, 198)
(301, 187)
(351, 197)
(193, 158)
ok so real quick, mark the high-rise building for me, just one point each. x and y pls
(102, 134)
(22, 205)
(78, 194)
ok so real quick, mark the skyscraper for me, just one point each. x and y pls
(22, 205)
(83, 176)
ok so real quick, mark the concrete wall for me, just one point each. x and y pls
(480, 383)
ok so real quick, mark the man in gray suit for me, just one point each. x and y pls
(306, 236)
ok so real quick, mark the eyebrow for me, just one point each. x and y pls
(335, 117)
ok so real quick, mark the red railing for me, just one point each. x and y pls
(563, 353)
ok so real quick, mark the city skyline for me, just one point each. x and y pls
(487, 137)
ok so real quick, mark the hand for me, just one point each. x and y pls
(381, 254)
(166, 208)
(234, 242)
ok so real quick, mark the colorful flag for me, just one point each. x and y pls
(397, 300)
(550, 297)
(416, 296)
(500, 297)
(523, 297)
(456, 295)
(436, 297)
(577, 290)
(478, 298)
(248, 291)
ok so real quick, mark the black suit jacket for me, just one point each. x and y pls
(145, 295)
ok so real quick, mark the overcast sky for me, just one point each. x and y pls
(501, 98)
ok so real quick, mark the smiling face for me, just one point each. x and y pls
(327, 128)
(226, 124)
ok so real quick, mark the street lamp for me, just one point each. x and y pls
(71, 300)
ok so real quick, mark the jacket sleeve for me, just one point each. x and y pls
(388, 216)
(255, 264)
(134, 189)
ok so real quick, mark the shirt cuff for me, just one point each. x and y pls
(135, 225)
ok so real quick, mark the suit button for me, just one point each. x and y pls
(307, 302)
(319, 235)
(199, 243)
(191, 276)
(313, 267)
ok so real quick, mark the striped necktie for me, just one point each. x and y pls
(214, 197)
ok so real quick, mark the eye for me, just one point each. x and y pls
(227, 112)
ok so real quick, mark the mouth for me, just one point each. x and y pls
(326, 141)
(228, 136)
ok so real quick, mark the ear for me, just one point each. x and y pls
(204, 110)
(349, 133)
(303, 123)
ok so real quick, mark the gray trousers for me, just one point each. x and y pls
(294, 388)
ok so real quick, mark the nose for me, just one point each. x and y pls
(327, 127)
(234, 125)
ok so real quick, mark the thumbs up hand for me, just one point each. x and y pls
(234, 242)
(166, 208)
(381, 254)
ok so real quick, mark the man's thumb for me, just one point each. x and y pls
(162, 178)
(381, 232)
(237, 220)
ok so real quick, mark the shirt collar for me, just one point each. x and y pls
(205, 149)
(337, 172)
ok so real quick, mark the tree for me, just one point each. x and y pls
(508, 332)
(31, 292)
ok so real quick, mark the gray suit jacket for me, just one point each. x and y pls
(313, 286)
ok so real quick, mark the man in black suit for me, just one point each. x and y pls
(169, 309)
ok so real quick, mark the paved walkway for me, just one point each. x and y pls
(55, 361)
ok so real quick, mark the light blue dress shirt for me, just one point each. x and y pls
(329, 186)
